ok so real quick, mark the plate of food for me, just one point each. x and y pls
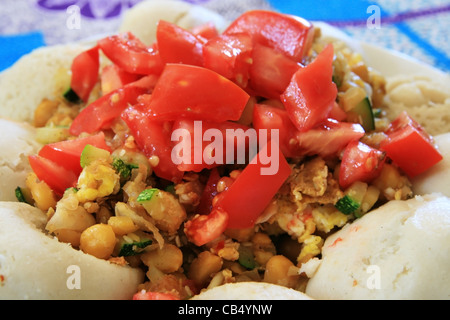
(190, 157)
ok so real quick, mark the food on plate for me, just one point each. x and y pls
(213, 160)
(427, 101)
(18, 141)
(437, 178)
(251, 291)
(398, 251)
(143, 18)
(34, 265)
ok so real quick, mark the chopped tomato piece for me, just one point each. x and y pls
(230, 56)
(205, 228)
(253, 189)
(177, 45)
(130, 54)
(360, 162)
(288, 35)
(113, 78)
(328, 139)
(203, 151)
(150, 295)
(209, 192)
(67, 153)
(311, 93)
(100, 113)
(195, 93)
(410, 146)
(57, 177)
(207, 30)
(153, 139)
(85, 73)
(270, 72)
(268, 118)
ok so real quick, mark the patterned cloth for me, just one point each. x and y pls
(419, 28)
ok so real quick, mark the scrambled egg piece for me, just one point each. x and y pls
(97, 180)
(328, 217)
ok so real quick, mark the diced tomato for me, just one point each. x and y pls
(230, 56)
(130, 54)
(288, 35)
(267, 118)
(311, 93)
(178, 45)
(113, 78)
(100, 113)
(57, 177)
(207, 30)
(410, 146)
(195, 93)
(67, 153)
(206, 152)
(150, 295)
(154, 139)
(328, 139)
(270, 72)
(209, 192)
(337, 113)
(85, 73)
(253, 189)
(360, 162)
(205, 228)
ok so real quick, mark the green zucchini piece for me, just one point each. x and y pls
(246, 257)
(122, 168)
(128, 247)
(147, 195)
(19, 195)
(91, 153)
(347, 205)
(363, 114)
(71, 96)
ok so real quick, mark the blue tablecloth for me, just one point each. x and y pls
(419, 28)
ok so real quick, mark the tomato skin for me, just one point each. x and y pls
(270, 72)
(205, 228)
(230, 56)
(67, 153)
(207, 30)
(150, 295)
(311, 93)
(113, 78)
(286, 34)
(409, 146)
(209, 192)
(85, 69)
(268, 117)
(328, 139)
(130, 54)
(360, 162)
(200, 159)
(153, 139)
(100, 113)
(57, 177)
(195, 93)
(252, 191)
(177, 45)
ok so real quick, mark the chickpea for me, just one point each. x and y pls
(277, 272)
(98, 240)
(122, 225)
(203, 267)
(168, 259)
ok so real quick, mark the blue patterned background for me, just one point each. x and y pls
(419, 28)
